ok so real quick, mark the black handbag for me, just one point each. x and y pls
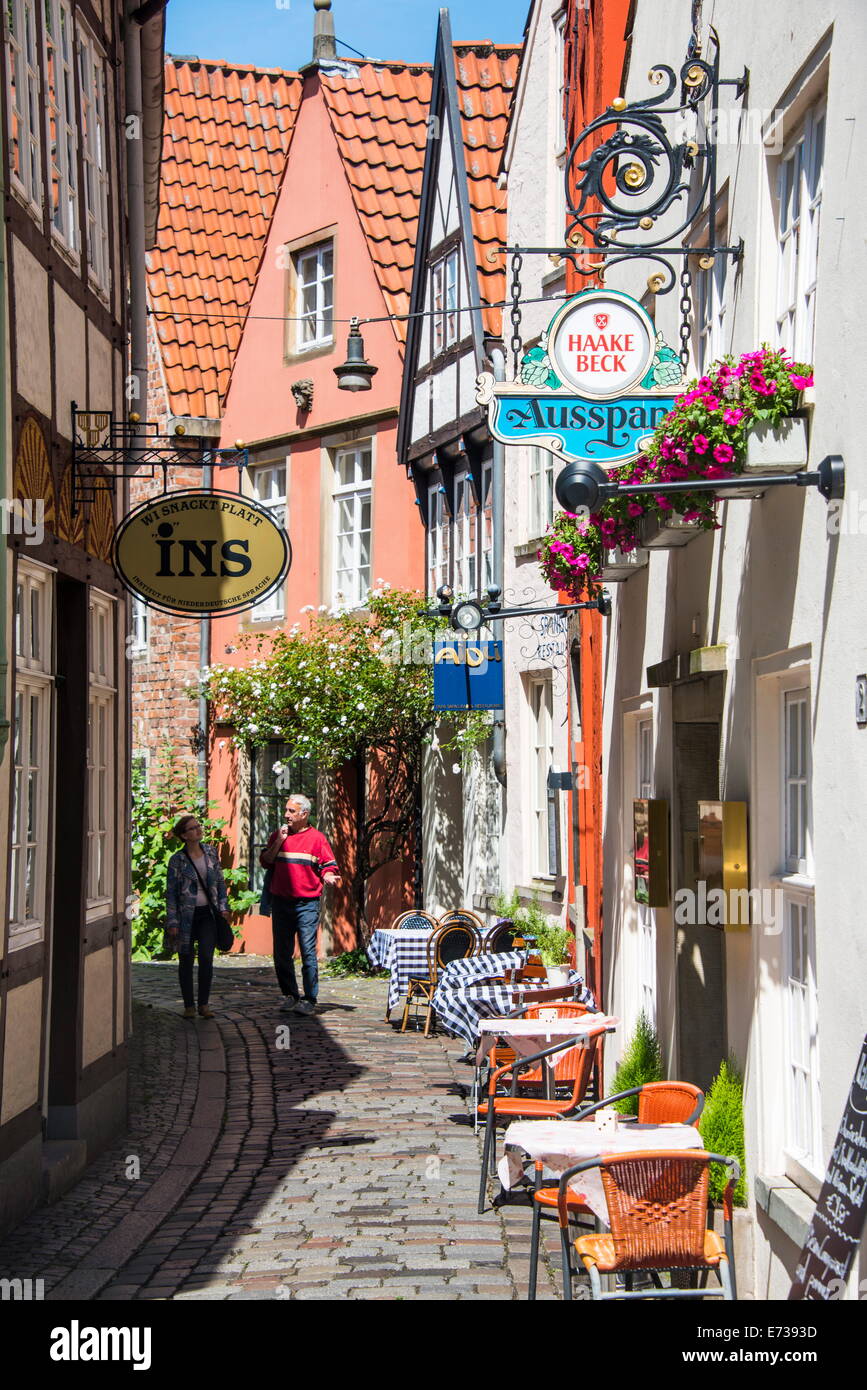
(223, 934)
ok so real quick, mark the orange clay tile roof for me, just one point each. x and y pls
(226, 134)
(486, 77)
(379, 113)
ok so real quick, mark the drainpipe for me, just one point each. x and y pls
(135, 183)
(204, 659)
(498, 483)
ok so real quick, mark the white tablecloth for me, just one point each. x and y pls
(529, 1035)
(560, 1144)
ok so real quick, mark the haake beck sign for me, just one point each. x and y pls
(201, 553)
(594, 389)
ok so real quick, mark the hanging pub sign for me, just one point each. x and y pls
(201, 554)
(595, 388)
(468, 674)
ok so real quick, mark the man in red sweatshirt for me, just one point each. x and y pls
(302, 860)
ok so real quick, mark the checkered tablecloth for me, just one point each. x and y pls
(404, 954)
(460, 1010)
(476, 969)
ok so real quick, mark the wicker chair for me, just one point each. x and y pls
(464, 916)
(414, 920)
(502, 938)
(449, 942)
(657, 1214)
(659, 1103)
(572, 1074)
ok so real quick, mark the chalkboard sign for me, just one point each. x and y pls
(838, 1221)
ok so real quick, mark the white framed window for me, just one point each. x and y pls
(101, 708)
(94, 144)
(353, 504)
(797, 830)
(804, 1138)
(438, 538)
(466, 527)
(444, 298)
(540, 693)
(487, 536)
(268, 487)
(798, 208)
(25, 100)
(62, 126)
(140, 624)
(314, 280)
(710, 310)
(560, 84)
(32, 752)
(541, 508)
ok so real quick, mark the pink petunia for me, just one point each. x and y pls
(734, 415)
(582, 561)
(634, 509)
(662, 503)
(712, 402)
(802, 382)
(701, 444)
(723, 453)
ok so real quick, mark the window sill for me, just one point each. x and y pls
(528, 548)
(299, 355)
(788, 1206)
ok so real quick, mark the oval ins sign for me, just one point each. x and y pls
(201, 553)
(601, 343)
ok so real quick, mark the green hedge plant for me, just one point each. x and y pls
(641, 1062)
(722, 1129)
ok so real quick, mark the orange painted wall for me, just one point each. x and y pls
(595, 53)
(314, 197)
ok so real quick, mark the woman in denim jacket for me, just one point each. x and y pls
(195, 891)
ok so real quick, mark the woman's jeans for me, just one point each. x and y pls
(293, 918)
(203, 932)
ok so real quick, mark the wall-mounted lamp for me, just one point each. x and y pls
(355, 374)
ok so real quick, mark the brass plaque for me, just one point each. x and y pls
(723, 863)
(651, 847)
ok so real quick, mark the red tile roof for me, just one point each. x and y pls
(379, 113)
(487, 75)
(227, 131)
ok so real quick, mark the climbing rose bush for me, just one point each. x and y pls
(704, 436)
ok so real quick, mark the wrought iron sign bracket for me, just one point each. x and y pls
(105, 449)
(585, 485)
(469, 615)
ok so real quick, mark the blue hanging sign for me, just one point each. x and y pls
(595, 388)
(468, 673)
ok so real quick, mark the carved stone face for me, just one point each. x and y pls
(302, 392)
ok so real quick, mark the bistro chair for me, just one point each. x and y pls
(450, 942)
(659, 1103)
(414, 920)
(464, 916)
(502, 1058)
(572, 1074)
(657, 1218)
(502, 938)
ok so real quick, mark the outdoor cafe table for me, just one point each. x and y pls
(527, 1036)
(560, 1144)
(462, 1009)
(404, 954)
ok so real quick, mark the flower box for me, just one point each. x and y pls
(620, 564)
(773, 451)
(657, 534)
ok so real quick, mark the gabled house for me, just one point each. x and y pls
(335, 242)
(459, 282)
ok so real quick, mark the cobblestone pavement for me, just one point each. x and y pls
(276, 1156)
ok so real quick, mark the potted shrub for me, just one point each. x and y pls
(641, 1062)
(722, 1128)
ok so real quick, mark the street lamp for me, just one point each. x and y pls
(587, 485)
(355, 374)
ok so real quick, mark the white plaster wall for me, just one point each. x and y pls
(71, 363)
(101, 369)
(23, 1023)
(533, 197)
(770, 581)
(31, 309)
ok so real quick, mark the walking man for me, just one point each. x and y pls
(302, 860)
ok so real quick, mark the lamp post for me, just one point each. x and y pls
(587, 485)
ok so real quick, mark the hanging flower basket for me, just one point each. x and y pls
(622, 564)
(707, 436)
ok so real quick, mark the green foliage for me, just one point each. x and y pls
(722, 1129)
(552, 940)
(345, 683)
(642, 1062)
(351, 963)
(155, 809)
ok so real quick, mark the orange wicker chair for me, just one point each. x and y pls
(659, 1103)
(447, 943)
(657, 1214)
(572, 1073)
